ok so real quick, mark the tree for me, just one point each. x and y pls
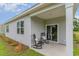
(76, 24)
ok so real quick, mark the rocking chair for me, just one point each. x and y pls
(44, 39)
(36, 43)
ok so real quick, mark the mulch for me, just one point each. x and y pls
(14, 45)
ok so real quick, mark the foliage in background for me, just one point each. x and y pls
(76, 24)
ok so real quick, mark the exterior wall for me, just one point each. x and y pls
(28, 30)
(2, 29)
(37, 26)
(62, 28)
(22, 38)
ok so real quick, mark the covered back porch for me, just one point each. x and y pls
(57, 23)
(53, 23)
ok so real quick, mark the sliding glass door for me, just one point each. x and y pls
(52, 32)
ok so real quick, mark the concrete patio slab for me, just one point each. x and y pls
(52, 49)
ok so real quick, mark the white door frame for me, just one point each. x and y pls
(57, 31)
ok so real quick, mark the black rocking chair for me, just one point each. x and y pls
(36, 43)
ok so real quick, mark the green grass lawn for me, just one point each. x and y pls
(76, 44)
(7, 50)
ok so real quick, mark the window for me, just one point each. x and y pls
(20, 27)
(7, 28)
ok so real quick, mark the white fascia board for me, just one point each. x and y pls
(49, 8)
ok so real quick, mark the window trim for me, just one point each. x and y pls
(20, 27)
(7, 28)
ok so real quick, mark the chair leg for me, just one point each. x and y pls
(38, 46)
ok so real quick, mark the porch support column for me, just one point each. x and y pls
(69, 29)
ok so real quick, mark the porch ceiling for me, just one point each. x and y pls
(53, 13)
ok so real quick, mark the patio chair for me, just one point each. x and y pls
(36, 43)
(44, 39)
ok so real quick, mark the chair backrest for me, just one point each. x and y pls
(42, 34)
(34, 36)
(33, 40)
